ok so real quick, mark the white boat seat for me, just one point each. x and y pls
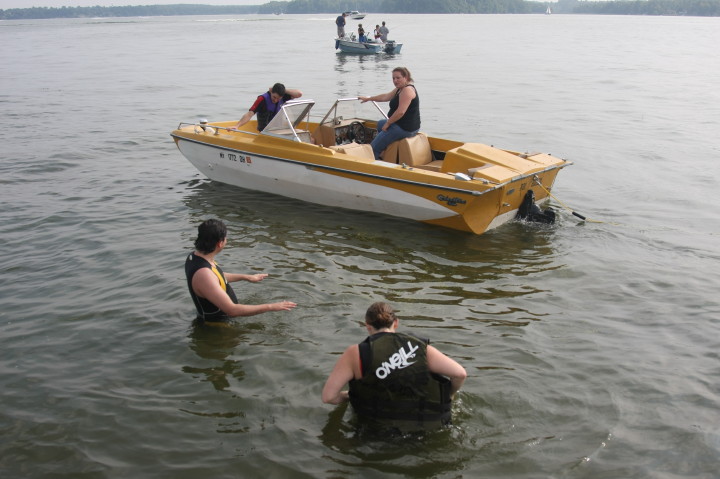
(413, 151)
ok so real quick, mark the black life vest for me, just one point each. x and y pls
(397, 384)
(206, 310)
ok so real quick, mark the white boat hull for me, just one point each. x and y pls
(355, 15)
(349, 46)
(307, 183)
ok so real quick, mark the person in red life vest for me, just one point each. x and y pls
(268, 104)
(395, 378)
(209, 286)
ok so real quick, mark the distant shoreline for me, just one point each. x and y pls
(696, 8)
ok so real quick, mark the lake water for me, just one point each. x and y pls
(591, 347)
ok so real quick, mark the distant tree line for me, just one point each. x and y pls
(695, 8)
(126, 11)
(406, 6)
(709, 8)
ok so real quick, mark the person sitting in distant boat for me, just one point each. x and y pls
(210, 288)
(384, 31)
(404, 116)
(393, 377)
(361, 34)
(268, 104)
(340, 22)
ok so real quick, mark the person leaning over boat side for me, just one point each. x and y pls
(384, 385)
(384, 31)
(209, 287)
(404, 116)
(340, 22)
(268, 104)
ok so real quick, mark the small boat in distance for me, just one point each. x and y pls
(350, 44)
(465, 186)
(355, 15)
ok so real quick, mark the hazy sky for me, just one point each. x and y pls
(5, 4)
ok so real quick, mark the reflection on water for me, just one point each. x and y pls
(331, 252)
(387, 452)
(217, 344)
(529, 244)
(350, 62)
(411, 260)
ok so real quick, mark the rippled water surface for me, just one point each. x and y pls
(591, 347)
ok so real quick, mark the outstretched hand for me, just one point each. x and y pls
(283, 306)
(256, 278)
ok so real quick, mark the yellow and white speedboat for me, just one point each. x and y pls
(465, 186)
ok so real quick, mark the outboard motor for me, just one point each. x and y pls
(529, 211)
(390, 46)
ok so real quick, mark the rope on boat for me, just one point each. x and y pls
(574, 213)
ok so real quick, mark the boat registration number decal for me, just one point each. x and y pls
(234, 157)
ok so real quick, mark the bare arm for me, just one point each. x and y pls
(293, 93)
(406, 96)
(206, 285)
(381, 97)
(341, 374)
(253, 278)
(441, 364)
(245, 118)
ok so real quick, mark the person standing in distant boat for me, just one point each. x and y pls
(210, 288)
(361, 34)
(376, 32)
(340, 22)
(268, 104)
(384, 31)
(404, 116)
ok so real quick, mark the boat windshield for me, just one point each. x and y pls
(291, 121)
(353, 108)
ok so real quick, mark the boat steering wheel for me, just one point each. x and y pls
(357, 132)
